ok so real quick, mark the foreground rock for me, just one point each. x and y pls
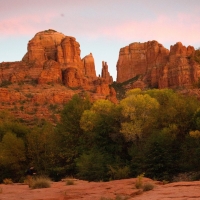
(103, 190)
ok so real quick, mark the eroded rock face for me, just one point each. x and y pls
(51, 45)
(139, 59)
(179, 71)
(71, 50)
(44, 46)
(72, 77)
(156, 66)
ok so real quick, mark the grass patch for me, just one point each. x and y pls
(40, 182)
(7, 181)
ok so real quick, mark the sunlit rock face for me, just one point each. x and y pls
(51, 72)
(156, 66)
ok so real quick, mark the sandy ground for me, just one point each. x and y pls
(83, 190)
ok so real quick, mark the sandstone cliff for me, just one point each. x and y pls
(157, 67)
(50, 73)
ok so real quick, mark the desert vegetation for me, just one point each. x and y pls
(156, 132)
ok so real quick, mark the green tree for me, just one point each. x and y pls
(160, 158)
(70, 137)
(138, 111)
(41, 148)
(92, 166)
(175, 110)
(12, 155)
(102, 125)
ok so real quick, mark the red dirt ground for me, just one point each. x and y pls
(118, 189)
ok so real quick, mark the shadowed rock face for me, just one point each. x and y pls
(157, 66)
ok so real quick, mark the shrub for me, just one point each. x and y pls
(147, 186)
(40, 182)
(7, 181)
(119, 172)
(139, 181)
(69, 182)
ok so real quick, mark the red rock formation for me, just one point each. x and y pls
(113, 95)
(43, 46)
(139, 59)
(105, 74)
(157, 66)
(89, 66)
(72, 77)
(179, 71)
(71, 50)
(51, 73)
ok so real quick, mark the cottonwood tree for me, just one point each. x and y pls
(138, 111)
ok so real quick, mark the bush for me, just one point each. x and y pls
(139, 181)
(40, 182)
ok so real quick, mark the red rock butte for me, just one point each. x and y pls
(158, 67)
(52, 59)
(52, 71)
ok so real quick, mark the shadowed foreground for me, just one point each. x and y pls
(123, 189)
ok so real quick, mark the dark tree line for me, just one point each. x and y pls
(156, 132)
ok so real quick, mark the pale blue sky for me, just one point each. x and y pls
(101, 27)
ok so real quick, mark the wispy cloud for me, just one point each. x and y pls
(164, 29)
(24, 25)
